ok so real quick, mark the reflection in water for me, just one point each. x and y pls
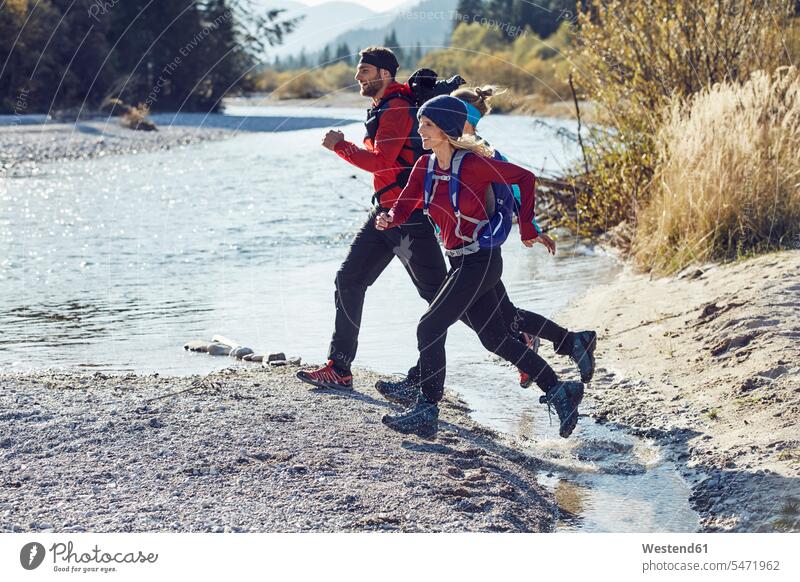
(570, 499)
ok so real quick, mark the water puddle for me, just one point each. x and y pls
(603, 479)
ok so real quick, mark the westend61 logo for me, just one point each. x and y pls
(65, 559)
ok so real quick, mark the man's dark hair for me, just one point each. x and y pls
(381, 57)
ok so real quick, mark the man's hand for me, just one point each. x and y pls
(549, 243)
(333, 137)
(383, 220)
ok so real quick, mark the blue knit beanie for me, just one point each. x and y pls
(448, 113)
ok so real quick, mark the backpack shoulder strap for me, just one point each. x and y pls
(428, 189)
(455, 181)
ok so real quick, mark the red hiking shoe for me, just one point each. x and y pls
(327, 377)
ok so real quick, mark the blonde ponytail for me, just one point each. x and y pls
(472, 144)
(478, 97)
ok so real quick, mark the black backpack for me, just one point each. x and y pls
(424, 85)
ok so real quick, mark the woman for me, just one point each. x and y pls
(470, 287)
(579, 346)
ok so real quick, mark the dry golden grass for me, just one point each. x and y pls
(729, 180)
(135, 117)
(307, 83)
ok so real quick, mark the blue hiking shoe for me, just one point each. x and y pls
(403, 392)
(422, 419)
(565, 398)
(583, 353)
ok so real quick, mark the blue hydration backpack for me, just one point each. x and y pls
(501, 205)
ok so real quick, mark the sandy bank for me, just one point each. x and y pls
(249, 449)
(708, 364)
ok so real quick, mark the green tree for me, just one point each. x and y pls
(325, 56)
(391, 42)
(30, 73)
(343, 54)
(477, 37)
(469, 11)
(416, 55)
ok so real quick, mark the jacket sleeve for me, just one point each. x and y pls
(508, 173)
(393, 131)
(411, 197)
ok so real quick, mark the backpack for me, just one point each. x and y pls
(501, 205)
(424, 85)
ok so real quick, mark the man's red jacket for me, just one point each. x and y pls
(392, 141)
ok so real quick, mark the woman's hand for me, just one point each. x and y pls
(549, 243)
(383, 221)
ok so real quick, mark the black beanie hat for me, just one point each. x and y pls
(448, 113)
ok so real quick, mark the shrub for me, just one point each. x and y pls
(300, 84)
(634, 57)
(136, 118)
(526, 66)
(729, 179)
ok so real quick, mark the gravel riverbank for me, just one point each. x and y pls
(246, 449)
(24, 146)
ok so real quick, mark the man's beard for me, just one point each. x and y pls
(371, 88)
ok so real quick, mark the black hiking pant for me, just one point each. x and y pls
(523, 321)
(371, 251)
(470, 291)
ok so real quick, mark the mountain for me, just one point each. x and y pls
(321, 24)
(428, 23)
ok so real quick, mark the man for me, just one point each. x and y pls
(390, 149)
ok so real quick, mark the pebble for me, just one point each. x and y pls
(240, 352)
(218, 350)
(196, 346)
(276, 357)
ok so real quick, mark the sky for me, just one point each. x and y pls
(376, 5)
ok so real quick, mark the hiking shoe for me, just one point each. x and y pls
(403, 392)
(422, 419)
(533, 342)
(565, 398)
(583, 353)
(327, 377)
